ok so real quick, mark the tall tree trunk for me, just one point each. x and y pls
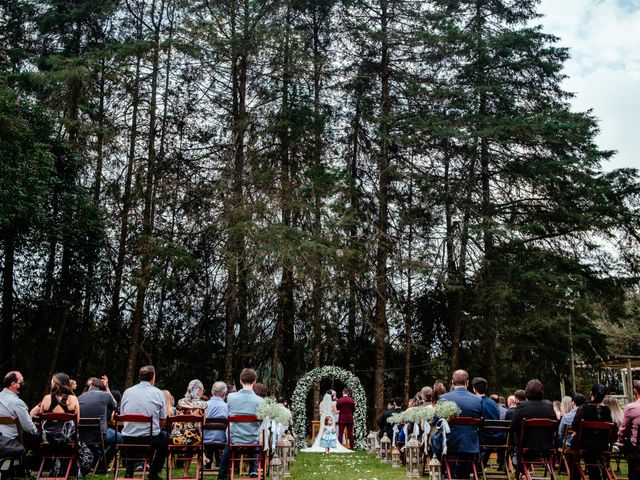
(408, 316)
(286, 308)
(146, 255)
(7, 300)
(114, 312)
(236, 292)
(382, 253)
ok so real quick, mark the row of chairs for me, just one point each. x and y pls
(140, 451)
(537, 455)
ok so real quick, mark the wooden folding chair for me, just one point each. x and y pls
(133, 451)
(185, 452)
(500, 449)
(452, 457)
(592, 447)
(90, 432)
(536, 447)
(237, 450)
(213, 424)
(10, 465)
(561, 452)
(66, 452)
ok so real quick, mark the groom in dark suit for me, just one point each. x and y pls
(345, 406)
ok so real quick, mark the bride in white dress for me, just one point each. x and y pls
(327, 408)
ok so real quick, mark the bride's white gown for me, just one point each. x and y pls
(326, 410)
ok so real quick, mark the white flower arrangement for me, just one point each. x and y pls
(415, 415)
(269, 409)
(446, 409)
(299, 398)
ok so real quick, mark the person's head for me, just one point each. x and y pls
(520, 395)
(13, 381)
(578, 399)
(598, 392)
(219, 389)
(95, 383)
(495, 398)
(328, 420)
(147, 374)
(60, 384)
(282, 401)
(169, 402)
(396, 402)
(616, 412)
(501, 400)
(565, 404)
(117, 396)
(460, 378)
(636, 389)
(479, 386)
(248, 377)
(194, 392)
(261, 390)
(438, 390)
(345, 392)
(512, 401)
(557, 408)
(426, 393)
(417, 399)
(231, 388)
(534, 390)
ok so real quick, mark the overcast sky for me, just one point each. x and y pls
(604, 69)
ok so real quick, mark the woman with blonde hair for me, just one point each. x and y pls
(169, 403)
(565, 405)
(616, 412)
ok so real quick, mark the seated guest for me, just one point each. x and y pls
(95, 403)
(426, 393)
(512, 403)
(243, 402)
(500, 402)
(394, 406)
(616, 412)
(490, 411)
(145, 399)
(11, 405)
(261, 390)
(60, 400)
(566, 405)
(567, 419)
(628, 431)
(521, 395)
(169, 403)
(463, 438)
(438, 390)
(534, 407)
(595, 441)
(216, 408)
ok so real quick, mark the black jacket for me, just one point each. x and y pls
(383, 426)
(528, 409)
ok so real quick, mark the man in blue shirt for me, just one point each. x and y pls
(243, 402)
(145, 399)
(216, 408)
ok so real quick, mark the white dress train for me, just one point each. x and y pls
(326, 410)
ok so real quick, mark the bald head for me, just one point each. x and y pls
(13, 381)
(460, 378)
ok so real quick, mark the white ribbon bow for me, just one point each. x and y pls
(425, 436)
(396, 430)
(444, 427)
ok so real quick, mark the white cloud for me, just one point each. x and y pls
(604, 69)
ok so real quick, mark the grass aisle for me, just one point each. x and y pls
(353, 466)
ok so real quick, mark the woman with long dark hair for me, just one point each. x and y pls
(60, 399)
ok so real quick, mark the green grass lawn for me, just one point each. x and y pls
(347, 466)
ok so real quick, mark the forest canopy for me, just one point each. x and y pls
(396, 187)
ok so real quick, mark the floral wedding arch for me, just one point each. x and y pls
(299, 399)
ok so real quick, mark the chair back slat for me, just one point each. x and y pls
(219, 424)
(467, 421)
(538, 434)
(184, 419)
(59, 417)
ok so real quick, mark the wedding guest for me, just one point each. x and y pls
(438, 390)
(521, 395)
(145, 399)
(463, 438)
(512, 403)
(11, 405)
(616, 412)
(95, 403)
(490, 411)
(261, 390)
(628, 431)
(60, 399)
(243, 402)
(187, 433)
(567, 419)
(216, 408)
(535, 406)
(500, 402)
(426, 393)
(596, 441)
(557, 407)
(395, 406)
(566, 404)
(169, 403)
